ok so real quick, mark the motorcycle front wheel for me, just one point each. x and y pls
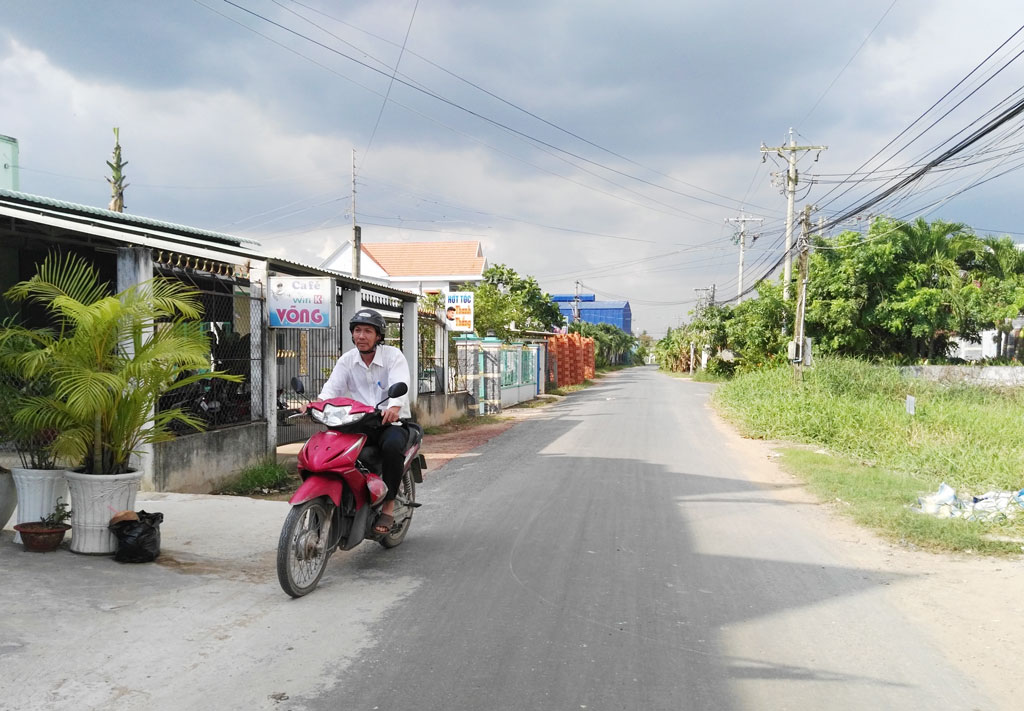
(403, 512)
(303, 548)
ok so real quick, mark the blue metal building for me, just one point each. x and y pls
(617, 313)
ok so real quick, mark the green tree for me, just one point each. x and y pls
(504, 298)
(612, 345)
(754, 327)
(644, 347)
(900, 291)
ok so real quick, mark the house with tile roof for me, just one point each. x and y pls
(418, 267)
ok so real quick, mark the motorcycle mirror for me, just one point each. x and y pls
(398, 390)
(297, 385)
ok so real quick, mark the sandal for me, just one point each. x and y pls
(384, 524)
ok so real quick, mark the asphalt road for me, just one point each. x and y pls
(615, 551)
(614, 554)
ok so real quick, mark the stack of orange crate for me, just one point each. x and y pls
(588, 359)
(577, 359)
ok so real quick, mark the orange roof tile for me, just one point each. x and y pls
(440, 259)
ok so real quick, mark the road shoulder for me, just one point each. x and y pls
(969, 606)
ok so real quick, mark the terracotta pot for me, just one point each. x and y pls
(40, 537)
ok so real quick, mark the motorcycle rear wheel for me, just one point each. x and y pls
(403, 512)
(303, 548)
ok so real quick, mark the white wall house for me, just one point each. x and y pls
(417, 267)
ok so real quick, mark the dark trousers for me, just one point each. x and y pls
(392, 440)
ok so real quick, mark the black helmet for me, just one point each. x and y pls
(370, 318)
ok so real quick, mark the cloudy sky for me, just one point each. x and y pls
(604, 142)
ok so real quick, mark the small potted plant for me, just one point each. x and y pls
(44, 535)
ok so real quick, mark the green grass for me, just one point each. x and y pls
(462, 423)
(268, 474)
(966, 436)
(570, 388)
(703, 376)
(539, 401)
(878, 498)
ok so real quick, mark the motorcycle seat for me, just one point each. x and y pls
(415, 433)
(370, 458)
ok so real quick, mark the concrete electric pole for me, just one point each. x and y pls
(792, 177)
(801, 304)
(742, 220)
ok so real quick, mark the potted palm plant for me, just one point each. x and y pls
(39, 483)
(109, 358)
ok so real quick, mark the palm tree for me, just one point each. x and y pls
(109, 358)
(1000, 270)
(937, 255)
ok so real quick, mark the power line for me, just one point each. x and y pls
(460, 107)
(391, 82)
(922, 116)
(529, 113)
(848, 62)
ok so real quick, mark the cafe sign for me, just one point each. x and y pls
(300, 302)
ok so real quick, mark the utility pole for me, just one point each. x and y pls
(742, 220)
(792, 177)
(576, 304)
(357, 241)
(801, 304)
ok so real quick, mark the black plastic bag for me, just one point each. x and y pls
(138, 541)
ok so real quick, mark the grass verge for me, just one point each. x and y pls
(571, 388)
(966, 436)
(263, 477)
(464, 423)
(878, 498)
(539, 401)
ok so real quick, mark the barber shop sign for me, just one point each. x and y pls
(300, 302)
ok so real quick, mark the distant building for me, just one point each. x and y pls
(419, 267)
(617, 313)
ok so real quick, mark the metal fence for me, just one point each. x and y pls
(228, 314)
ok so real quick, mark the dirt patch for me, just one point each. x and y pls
(439, 449)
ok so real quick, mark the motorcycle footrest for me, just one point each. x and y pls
(414, 505)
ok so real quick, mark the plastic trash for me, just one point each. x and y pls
(941, 503)
(138, 541)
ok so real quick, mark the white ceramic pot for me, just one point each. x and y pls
(8, 497)
(95, 498)
(38, 491)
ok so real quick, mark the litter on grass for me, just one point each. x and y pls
(992, 506)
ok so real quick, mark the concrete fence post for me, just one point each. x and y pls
(490, 391)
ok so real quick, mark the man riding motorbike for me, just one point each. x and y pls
(365, 374)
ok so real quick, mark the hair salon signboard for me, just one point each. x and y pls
(458, 311)
(300, 302)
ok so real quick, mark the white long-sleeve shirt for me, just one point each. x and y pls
(369, 384)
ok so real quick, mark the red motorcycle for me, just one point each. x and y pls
(342, 492)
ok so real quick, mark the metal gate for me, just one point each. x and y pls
(309, 355)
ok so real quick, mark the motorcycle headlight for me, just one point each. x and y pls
(334, 416)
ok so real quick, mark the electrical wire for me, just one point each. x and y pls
(849, 61)
(391, 82)
(923, 115)
(527, 111)
(437, 97)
